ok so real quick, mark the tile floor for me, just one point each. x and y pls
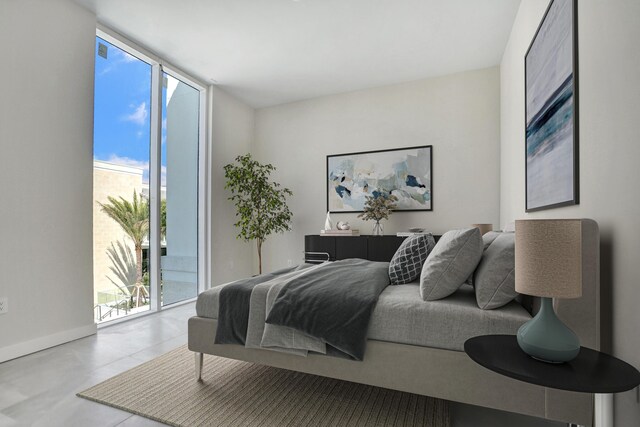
(39, 389)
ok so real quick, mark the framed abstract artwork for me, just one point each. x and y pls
(551, 110)
(402, 172)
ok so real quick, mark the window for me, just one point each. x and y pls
(179, 163)
(148, 152)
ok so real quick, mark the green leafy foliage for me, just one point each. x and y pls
(378, 208)
(261, 204)
(123, 267)
(133, 217)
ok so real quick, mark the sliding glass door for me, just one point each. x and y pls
(147, 182)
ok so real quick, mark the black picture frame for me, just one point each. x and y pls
(328, 181)
(549, 113)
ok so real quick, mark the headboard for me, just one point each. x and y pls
(582, 314)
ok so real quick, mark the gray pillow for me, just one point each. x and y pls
(450, 263)
(494, 279)
(406, 264)
(487, 239)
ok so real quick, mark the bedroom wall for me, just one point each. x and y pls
(232, 126)
(609, 60)
(457, 114)
(46, 169)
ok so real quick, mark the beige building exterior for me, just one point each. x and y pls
(117, 181)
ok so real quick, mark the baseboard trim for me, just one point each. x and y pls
(27, 347)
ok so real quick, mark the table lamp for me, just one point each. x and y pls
(548, 264)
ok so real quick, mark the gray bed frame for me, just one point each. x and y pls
(444, 374)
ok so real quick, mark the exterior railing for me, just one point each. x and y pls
(110, 302)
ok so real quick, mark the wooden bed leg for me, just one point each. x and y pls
(199, 358)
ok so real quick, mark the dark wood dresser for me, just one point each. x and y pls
(331, 248)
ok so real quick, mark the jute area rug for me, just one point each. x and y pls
(235, 393)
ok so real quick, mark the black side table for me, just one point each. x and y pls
(590, 372)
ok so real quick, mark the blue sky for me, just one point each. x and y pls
(122, 109)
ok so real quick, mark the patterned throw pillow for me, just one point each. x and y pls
(406, 264)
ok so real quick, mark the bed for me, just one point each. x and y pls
(420, 350)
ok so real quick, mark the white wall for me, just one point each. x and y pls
(46, 167)
(232, 135)
(457, 114)
(609, 96)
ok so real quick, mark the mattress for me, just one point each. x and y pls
(401, 316)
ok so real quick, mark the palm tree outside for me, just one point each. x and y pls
(133, 217)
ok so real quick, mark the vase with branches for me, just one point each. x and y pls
(261, 204)
(377, 208)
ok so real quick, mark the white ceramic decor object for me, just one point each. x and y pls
(327, 223)
(341, 225)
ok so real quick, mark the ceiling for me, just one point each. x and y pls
(269, 52)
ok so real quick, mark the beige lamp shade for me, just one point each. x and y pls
(484, 228)
(548, 258)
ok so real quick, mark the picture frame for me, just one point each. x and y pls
(404, 172)
(551, 110)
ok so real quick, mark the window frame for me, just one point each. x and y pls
(159, 66)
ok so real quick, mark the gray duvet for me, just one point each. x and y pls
(322, 308)
(333, 304)
(234, 304)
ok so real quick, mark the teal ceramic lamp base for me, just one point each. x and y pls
(546, 338)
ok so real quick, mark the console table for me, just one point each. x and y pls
(331, 248)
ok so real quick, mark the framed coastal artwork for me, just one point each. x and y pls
(402, 172)
(551, 110)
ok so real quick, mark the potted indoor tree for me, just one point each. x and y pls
(261, 204)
